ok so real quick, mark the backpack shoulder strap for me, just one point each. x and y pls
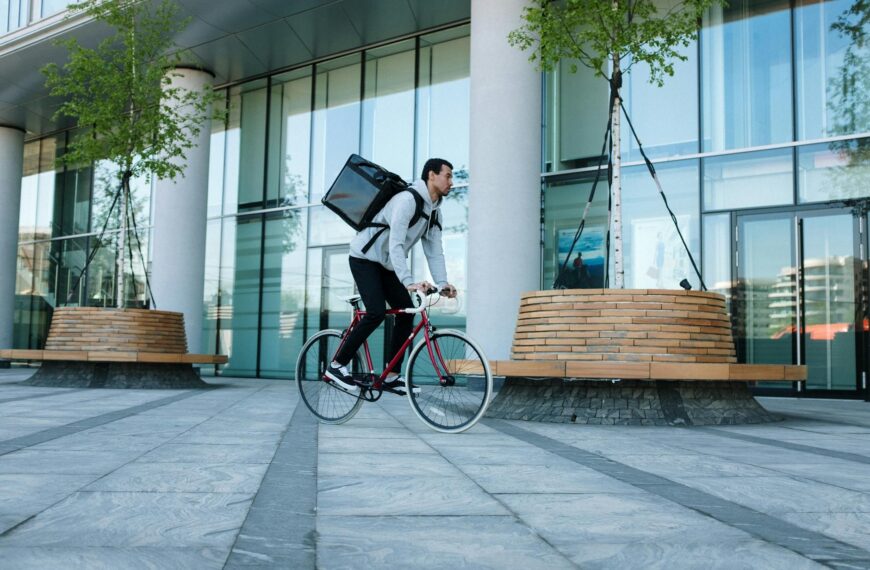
(418, 207)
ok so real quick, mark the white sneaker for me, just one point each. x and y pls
(341, 377)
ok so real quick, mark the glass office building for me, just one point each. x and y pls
(760, 140)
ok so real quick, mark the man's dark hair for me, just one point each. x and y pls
(434, 165)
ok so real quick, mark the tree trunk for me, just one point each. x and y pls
(616, 186)
(122, 241)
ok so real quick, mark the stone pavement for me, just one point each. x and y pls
(241, 476)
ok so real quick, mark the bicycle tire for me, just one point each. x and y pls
(451, 408)
(329, 403)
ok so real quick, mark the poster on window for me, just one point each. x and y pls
(585, 268)
(658, 259)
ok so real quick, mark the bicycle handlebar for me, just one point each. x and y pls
(420, 300)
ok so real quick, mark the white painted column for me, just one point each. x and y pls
(180, 211)
(11, 164)
(504, 250)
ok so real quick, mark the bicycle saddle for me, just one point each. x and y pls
(352, 298)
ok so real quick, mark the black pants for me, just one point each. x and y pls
(377, 286)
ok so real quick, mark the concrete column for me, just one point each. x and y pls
(11, 164)
(504, 250)
(180, 210)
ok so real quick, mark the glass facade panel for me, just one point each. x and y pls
(336, 121)
(216, 149)
(211, 295)
(243, 323)
(581, 102)
(748, 180)
(443, 101)
(101, 279)
(764, 297)
(282, 330)
(564, 203)
(50, 7)
(653, 110)
(388, 108)
(717, 254)
(27, 230)
(834, 171)
(654, 256)
(832, 67)
(746, 78)
(290, 134)
(47, 182)
(830, 301)
(244, 147)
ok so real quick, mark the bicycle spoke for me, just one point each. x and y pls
(458, 402)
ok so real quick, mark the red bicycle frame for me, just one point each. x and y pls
(358, 314)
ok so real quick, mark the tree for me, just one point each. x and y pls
(122, 92)
(609, 37)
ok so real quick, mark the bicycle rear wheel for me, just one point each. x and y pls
(331, 404)
(449, 388)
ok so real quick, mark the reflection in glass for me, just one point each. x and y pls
(388, 108)
(832, 67)
(50, 7)
(282, 330)
(68, 260)
(655, 258)
(563, 207)
(748, 180)
(244, 301)
(47, 175)
(326, 228)
(252, 141)
(27, 230)
(765, 294)
(33, 309)
(746, 75)
(211, 300)
(100, 281)
(717, 254)
(829, 302)
(834, 171)
(443, 101)
(665, 118)
(216, 149)
(290, 138)
(336, 121)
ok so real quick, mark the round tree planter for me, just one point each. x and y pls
(630, 357)
(116, 348)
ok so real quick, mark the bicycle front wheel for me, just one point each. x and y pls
(329, 403)
(450, 384)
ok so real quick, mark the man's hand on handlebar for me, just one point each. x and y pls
(424, 287)
(449, 291)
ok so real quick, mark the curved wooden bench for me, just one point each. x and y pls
(640, 334)
(87, 334)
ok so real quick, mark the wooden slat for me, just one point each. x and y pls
(625, 370)
(19, 354)
(695, 371)
(513, 368)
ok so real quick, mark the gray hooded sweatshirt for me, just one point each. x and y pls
(392, 246)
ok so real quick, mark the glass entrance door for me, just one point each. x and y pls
(797, 293)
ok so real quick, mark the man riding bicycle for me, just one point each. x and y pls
(379, 264)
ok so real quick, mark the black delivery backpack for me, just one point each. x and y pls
(361, 190)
